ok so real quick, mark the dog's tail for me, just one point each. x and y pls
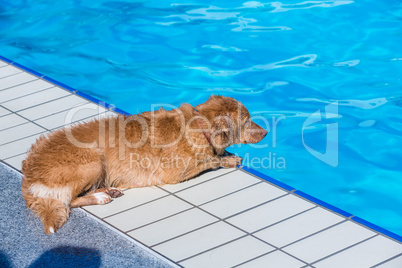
(53, 212)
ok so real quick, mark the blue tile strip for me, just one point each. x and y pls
(5, 59)
(324, 204)
(377, 228)
(57, 83)
(267, 178)
(247, 169)
(27, 69)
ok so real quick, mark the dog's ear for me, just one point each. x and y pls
(222, 123)
(222, 131)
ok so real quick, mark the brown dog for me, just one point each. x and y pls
(80, 165)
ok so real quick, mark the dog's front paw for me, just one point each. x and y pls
(102, 198)
(231, 161)
(111, 191)
(114, 192)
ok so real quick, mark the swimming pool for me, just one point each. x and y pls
(284, 61)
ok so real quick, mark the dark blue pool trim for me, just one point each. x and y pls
(247, 169)
(267, 178)
(323, 204)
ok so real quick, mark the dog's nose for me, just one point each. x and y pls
(264, 133)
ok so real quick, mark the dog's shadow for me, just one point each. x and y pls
(62, 257)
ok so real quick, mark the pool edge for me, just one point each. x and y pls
(275, 182)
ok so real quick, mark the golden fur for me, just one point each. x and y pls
(82, 164)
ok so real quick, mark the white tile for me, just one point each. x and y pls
(4, 111)
(276, 259)
(394, 263)
(23, 90)
(11, 120)
(198, 241)
(328, 242)
(197, 180)
(8, 70)
(217, 187)
(242, 200)
(70, 116)
(17, 147)
(147, 213)
(298, 227)
(35, 99)
(15, 80)
(18, 132)
(270, 213)
(172, 227)
(366, 254)
(230, 254)
(3, 63)
(16, 161)
(131, 198)
(52, 107)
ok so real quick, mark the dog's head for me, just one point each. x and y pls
(229, 122)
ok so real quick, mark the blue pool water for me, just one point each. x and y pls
(283, 60)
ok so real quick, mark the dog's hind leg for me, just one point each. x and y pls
(49, 189)
(99, 197)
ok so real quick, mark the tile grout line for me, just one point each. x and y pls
(7, 128)
(136, 206)
(257, 257)
(15, 85)
(9, 74)
(226, 195)
(160, 219)
(256, 206)
(221, 245)
(41, 90)
(315, 233)
(68, 109)
(288, 218)
(344, 249)
(95, 116)
(9, 157)
(387, 260)
(19, 139)
(186, 233)
(210, 179)
(43, 103)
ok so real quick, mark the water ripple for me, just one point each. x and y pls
(299, 61)
(294, 114)
(363, 104)
(237, 90)
(280, 7)
(234, 16)
(221, 48)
